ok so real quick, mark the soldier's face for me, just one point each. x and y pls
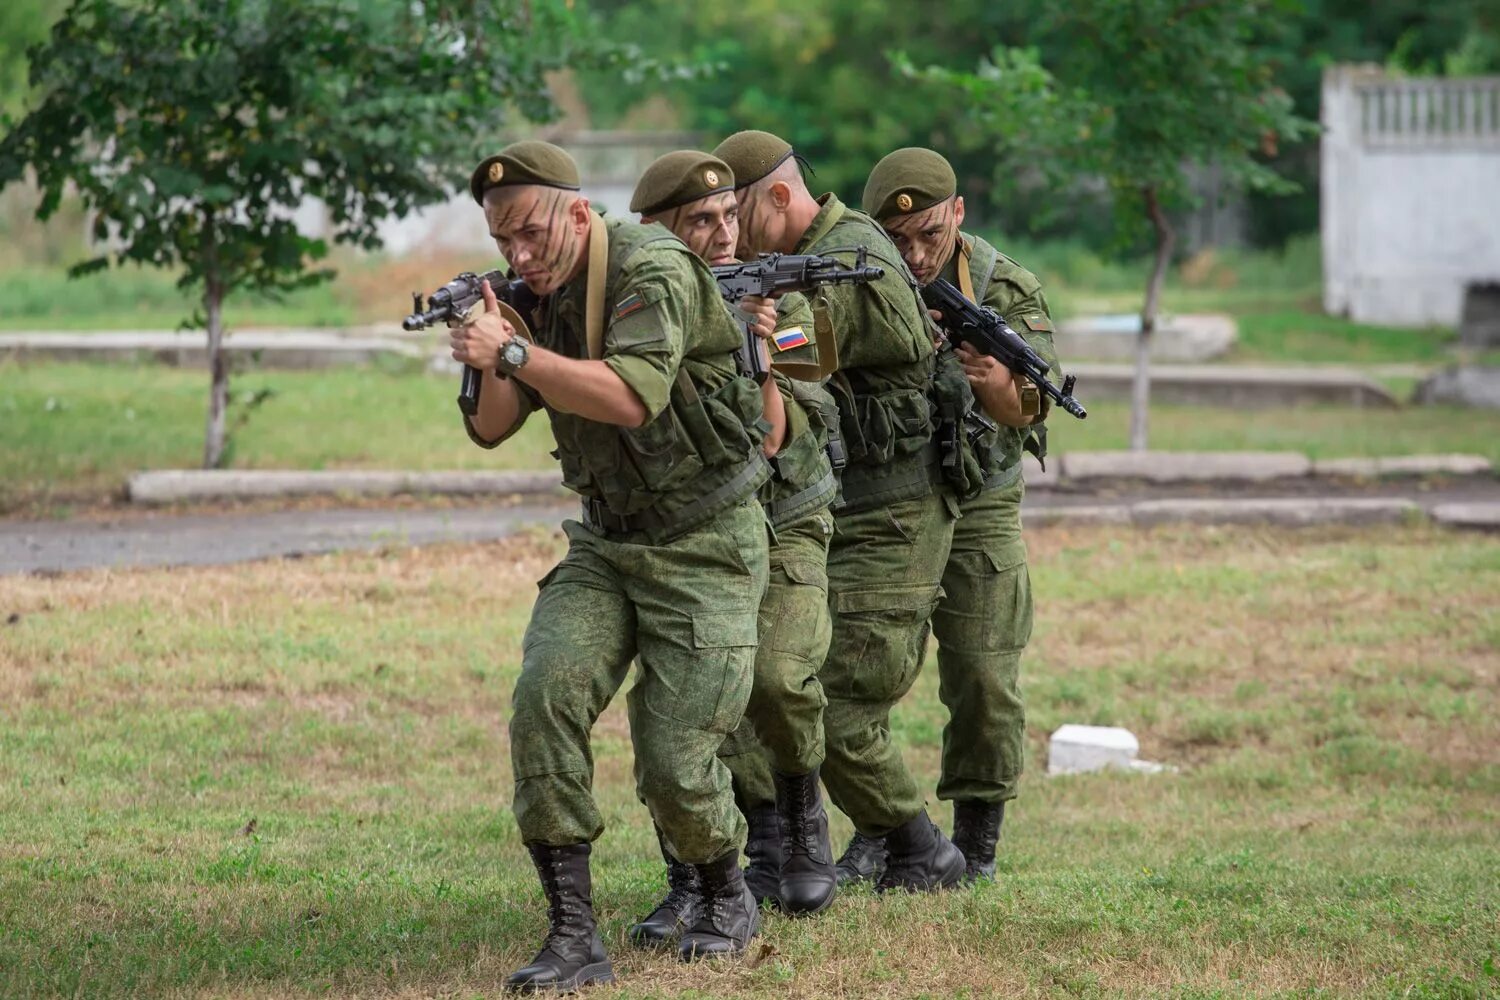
(709, 226)
(541, 232)
(926, 239)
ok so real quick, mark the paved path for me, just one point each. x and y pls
(205, 539)
(200, 539)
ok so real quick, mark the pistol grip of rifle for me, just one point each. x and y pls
(468, 391)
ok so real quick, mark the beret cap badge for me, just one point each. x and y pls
(497, 172)
(903, 201)
(710, 178)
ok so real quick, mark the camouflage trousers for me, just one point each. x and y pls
(885, 568)
(783, 724)
(687, 610)
(982, 625)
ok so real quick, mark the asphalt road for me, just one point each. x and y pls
(204, 539)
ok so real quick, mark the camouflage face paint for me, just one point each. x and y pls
(534, 230)
(926, 239)
(709, 226)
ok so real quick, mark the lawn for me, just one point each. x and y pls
(291, 779)
(71, 433)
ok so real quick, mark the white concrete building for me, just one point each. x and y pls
(1410, 194)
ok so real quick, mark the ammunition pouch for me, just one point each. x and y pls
(964, 462)
(699, 456)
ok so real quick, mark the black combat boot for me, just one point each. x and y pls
(572, 955)
(808, 878)
(677, 912)
(976, 831)
(729, 917)
(863, 860)
(920, 858)
(763, 855)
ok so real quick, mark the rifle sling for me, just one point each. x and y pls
(593, 302)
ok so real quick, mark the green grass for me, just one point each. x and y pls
(292, 779)
(134, 298)
(74, 432)
(1319, 431)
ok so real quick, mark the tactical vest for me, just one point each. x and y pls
(885, 413)
(810, 458)
(699, 456)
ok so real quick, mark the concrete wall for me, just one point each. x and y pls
(1410, 194)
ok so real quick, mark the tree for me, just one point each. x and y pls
(193, 129)
(1150, 89)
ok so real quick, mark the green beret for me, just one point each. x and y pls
(526, 162)
(752, 155)
(679, 178)
(908, 180)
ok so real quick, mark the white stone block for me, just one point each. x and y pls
(1078, 749)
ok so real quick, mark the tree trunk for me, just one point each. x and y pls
(218, 361)
(1140, 394)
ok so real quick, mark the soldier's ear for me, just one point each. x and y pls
(578, 214)
(781, 195)
(646, 220)
(958, 210)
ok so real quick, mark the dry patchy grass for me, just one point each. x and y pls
(291, 779)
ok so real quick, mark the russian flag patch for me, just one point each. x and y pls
(789, 338)
(628, 305)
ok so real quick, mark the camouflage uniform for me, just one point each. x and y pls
(983, 622)
(892, 529)
(668, 562)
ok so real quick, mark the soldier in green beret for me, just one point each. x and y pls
(895, 520)
(983, 622)
(791, 858)
(631, 354)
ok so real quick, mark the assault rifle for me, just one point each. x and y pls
(772, 274)
(452, 303)
(986, 331)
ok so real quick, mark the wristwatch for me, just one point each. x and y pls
(513, 356)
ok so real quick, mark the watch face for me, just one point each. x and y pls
(514, 353)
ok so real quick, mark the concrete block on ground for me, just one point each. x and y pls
(1184, 466)
(1480, 515)
(1177, 338)
(1404, 465)
(1075, 749)
(1287, 512)
(182, 485)
(1234, 386)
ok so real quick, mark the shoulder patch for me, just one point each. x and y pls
(1037, 322)
(630, 304)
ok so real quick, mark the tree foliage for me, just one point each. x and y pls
(194, 129)
(1150, 89)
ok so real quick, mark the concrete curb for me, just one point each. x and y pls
(1084, 468)
(179, 485)
(1476, 516)
(1240, 466)
(1281, 512)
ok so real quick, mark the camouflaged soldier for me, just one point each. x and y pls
(631, 356)
(983, 622)
(895, 521)
(791, 862)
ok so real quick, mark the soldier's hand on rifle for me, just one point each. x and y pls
(937, 321)
(995, 386)
(762, 314)
(478, 341)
